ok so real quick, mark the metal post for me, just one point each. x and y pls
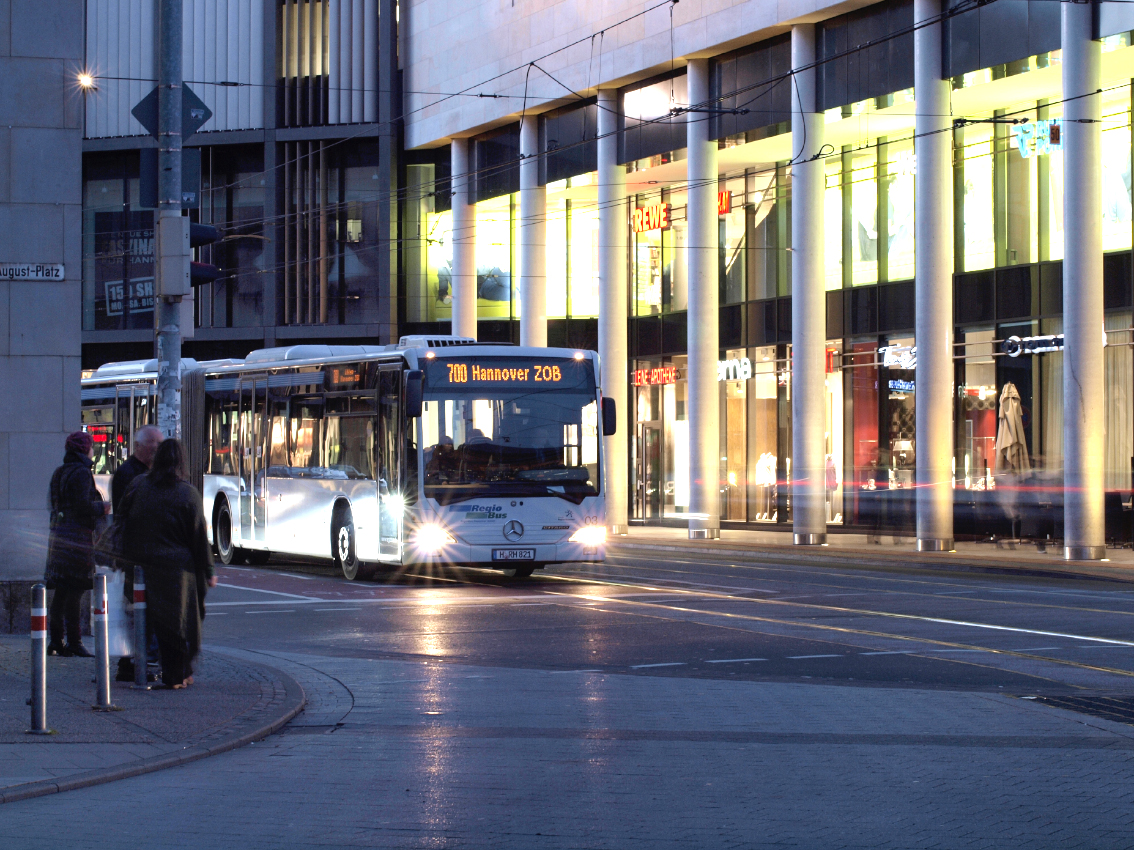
(167, 308)
(141, 648)
(102, 644)
(934, 286)
(1084, 396)
(39, 660)
(613, 247)
(533, 239)
(703, 319)
(808, 302)
(462, 279)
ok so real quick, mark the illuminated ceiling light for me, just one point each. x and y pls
(87, 81)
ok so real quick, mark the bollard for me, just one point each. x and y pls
(141, 650)
(39, 660)
(102, 645)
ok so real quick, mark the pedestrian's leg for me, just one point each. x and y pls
(72, 614)
(169, 644)
(58, 598)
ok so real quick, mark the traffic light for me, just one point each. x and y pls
(199, 236)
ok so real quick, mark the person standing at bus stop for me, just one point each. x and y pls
(146, 442)
(165, 533)
(76, 508)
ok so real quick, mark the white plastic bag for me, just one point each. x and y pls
(119, 624)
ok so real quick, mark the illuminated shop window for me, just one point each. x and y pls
(977, 211)
(864, 218)
(901, 171)
(833, 222)
(556, 258)
(584, 258)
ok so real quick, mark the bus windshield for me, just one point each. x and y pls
(510, 443)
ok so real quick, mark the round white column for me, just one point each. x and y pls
(933, 272)
(463, 275)
(612, 320)
(533, 239)
(808, 301)
(703, 407)
(1084, 398)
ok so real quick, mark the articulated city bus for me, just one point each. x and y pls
(437, 450)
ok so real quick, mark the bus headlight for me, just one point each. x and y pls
(591, 536)
(432, 538)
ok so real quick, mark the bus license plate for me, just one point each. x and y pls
(513, 554)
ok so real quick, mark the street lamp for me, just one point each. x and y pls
(87, 82)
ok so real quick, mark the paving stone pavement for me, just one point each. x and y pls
(229, 700)
(404, 754)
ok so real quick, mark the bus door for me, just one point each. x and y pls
(389, 457)
(253, 458)
(129, 399)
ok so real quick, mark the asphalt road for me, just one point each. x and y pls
(687, 618)
(655, 704)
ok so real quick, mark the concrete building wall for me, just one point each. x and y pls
(41, 48)
(451, 47)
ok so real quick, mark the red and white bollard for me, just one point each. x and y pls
(141, 649)
(102, 644)
(39, 660)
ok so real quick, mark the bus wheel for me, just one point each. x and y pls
(343, 547)
(258, 557)
(222, 534)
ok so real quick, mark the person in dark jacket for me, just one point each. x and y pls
(76, 508)
(146, 442)
(165, 533)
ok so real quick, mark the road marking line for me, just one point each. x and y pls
(890, 652)
(273, 611)
(258, 590)
(663, 664)
(559, 672)
(958, 650)
(798, 657)
(308, 601)
(731, 660)
(325, 609)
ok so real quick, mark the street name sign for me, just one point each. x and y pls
(31, 271)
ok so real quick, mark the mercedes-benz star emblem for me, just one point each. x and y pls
(513, 530)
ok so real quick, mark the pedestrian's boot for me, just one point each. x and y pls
(76, 649)
(125, 670)
(58, 650)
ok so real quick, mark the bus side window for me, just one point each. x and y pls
(222, 422)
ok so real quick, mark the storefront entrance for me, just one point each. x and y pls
(648, 470)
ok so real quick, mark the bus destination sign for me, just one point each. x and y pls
(507, 372)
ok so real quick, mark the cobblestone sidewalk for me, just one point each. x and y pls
(231, 703)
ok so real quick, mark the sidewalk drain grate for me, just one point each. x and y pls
(1120, 710)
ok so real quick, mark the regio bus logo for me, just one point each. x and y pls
(513, 530)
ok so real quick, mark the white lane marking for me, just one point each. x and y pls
(1120, 646)
(336, 609)
(662, 664)
(798, 657)
(1039, 649)
(300, 601)
(890, 652)
(731, 660)
(962, 650)
(219, 613)
(660, 584)
(296, 575)
(559, 672)
(274, 611)
(258, 590)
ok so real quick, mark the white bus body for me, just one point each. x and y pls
(434, 451)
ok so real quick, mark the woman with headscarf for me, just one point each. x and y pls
(165, 533)
(76, 508)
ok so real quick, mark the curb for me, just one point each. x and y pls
(294, 702)
(854, 558)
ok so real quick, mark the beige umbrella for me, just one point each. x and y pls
(1011, 447)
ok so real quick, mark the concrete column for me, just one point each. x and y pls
(1084, 533)
(933, 271)
(463, 279)
(703, 407)
(533, 239)
(613, 256)
(808, 300)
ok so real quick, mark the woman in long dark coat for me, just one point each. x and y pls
(76, 508)
(165, 533)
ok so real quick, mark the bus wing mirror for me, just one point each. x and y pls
(609, 417)
(415, 385)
